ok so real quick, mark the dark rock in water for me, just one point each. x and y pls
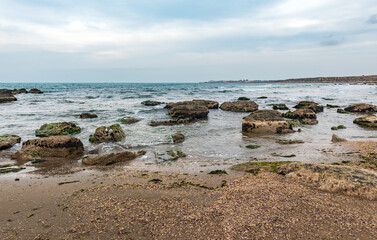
(190, 110)
(332, 106)
(280, 106)
(8, 141)
(263, 97)
(178, 137)
(50, 148)
(6, 96)
(309, 121)
(114, 133)
(336, 139)
(361, 107)
(239, 106)
(367, 121)
(35, 90)
(265, 121)
(54, 129)
(18, 91)
(151, 103)
(129, 120)
(210, 104)
(309, 105)
(301, 114)
(340, 110)
(243, 99)
(88, 115)
(111, 158)
(170, 122)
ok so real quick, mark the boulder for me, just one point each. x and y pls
(309, 105)
(239, 106)
(114, 133)
(170, 122)
(36, 91)
(106, 159)
(54, 129)
(129, 120)
(367, 121)
(88, 115)
(178, 137)
(305, 116)
(265, 121)
(361, 107)
(190, 110)
(49, 148)
(8, 141)
(280, 106)
(18, 91)
(6, 96)
(151, 103)
(208, 103)
(336, 139)
(342, 111)
(243, 99)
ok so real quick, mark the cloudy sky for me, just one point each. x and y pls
(185, 41)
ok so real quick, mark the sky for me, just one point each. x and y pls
(185, 41)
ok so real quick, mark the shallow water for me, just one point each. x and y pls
(219, 138)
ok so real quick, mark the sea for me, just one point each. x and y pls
(217, 139)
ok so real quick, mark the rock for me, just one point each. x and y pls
(263, 97)
(18, 91)
(36, 91)
(340, 110)
(48, 148)
(210, 104)
(265, 121)
(280, 106)
(129, 120)
(189, 110)
(309, 121)
(6, 96)
(239, 106)
(178, 137)
(361, 107)
(332, 106)
(367, 121)
(111, 158)
(151, 103)
(169, 122)
(88, 115)
(114, 133)
(243, 99)
(309, 105)
(336, 139)
(301, 114)
(54, 129)
(334, 128)
(8, 141)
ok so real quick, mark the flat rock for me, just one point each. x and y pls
(88, 115)
(265, 121)
(178, 137)
(114, 133)
(106, 159)
(129, 120)
(361, 107)
(35, 91)
(309, 105)
(367, 121)
(239, 106)
(6, 96)
(151, 103)
(55, 129)
(8, 141)
(305, 115)
(280, 106)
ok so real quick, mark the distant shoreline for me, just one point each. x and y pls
(371, 79)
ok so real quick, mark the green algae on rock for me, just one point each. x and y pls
(367, 121)
(55, 129)
(114, 133)
(8, 141)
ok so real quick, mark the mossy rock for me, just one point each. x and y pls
(114, 133)
(55, 129)
(256, 167)
(367, 121)
(151, 103)
(251, 146)
(218, 171)
(8, 141)
(243, 98)
(176, 154)
(280, 106)
(342, 111)
(129, 120)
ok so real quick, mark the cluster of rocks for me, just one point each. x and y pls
(265, 121)
(7, 95)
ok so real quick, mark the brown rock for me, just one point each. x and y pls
(239, 106)
(178, 137)
(265, 121)
(309, 105)
(208, 103)
(36, 91)
(192, 111)
(6, 96)
(8, 141)
(306, 116)
(361, 107)
(367, 121)
(111, 158)
(336, 139)
(18, 91)
(88, 115)
(114, 133)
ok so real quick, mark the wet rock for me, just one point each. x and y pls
(114, 133)
(8, 141)
(305, 116)
(243, 99)
(335, 138)
(35, 91)
(88, 115)
(110, 158)
(151, 103)
(54, 129)
(280, 106)
(18, 91)
(190, 110)
(129, 120)
(309, 105)
(265, 121)
(178, 137)
(239, 106)
(367, 121)
(338, 127)
(340, 110)
(332, 106)
(262, 97)
(170, 122)
(48, 148)
(210, 104)
(6, 96)
(361, 107)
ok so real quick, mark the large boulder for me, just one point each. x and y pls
(88, 115)
(114, 133)
(305, 115)
(207, 103)
(367, 121)
(309, 105)
(106, 159)
(191, 110)
(265, 121)
(50, 148)
(8, 141)
(54, 129)
(151, 103)
(36, 91)
(18, 91)
(239, 106)
(6, 96)
(361, 107)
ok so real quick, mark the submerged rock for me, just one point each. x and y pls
(305, 116)
(55, 147)
(207, 103)
(178, 137)
(129, 120)
(340, 110)
(114, 133)
(309, 105)
(265, 121)
(151, 103)
(111, 158)
(367, 121)
(18, 91)
(54, 129)
(280, 106)
(190, 110)
(243, 99)
(8, 141)
(36, 91)
(239, 106)
(361, 107)
(170, 122)
(88, 115)
(6, 96)
(335, 138)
